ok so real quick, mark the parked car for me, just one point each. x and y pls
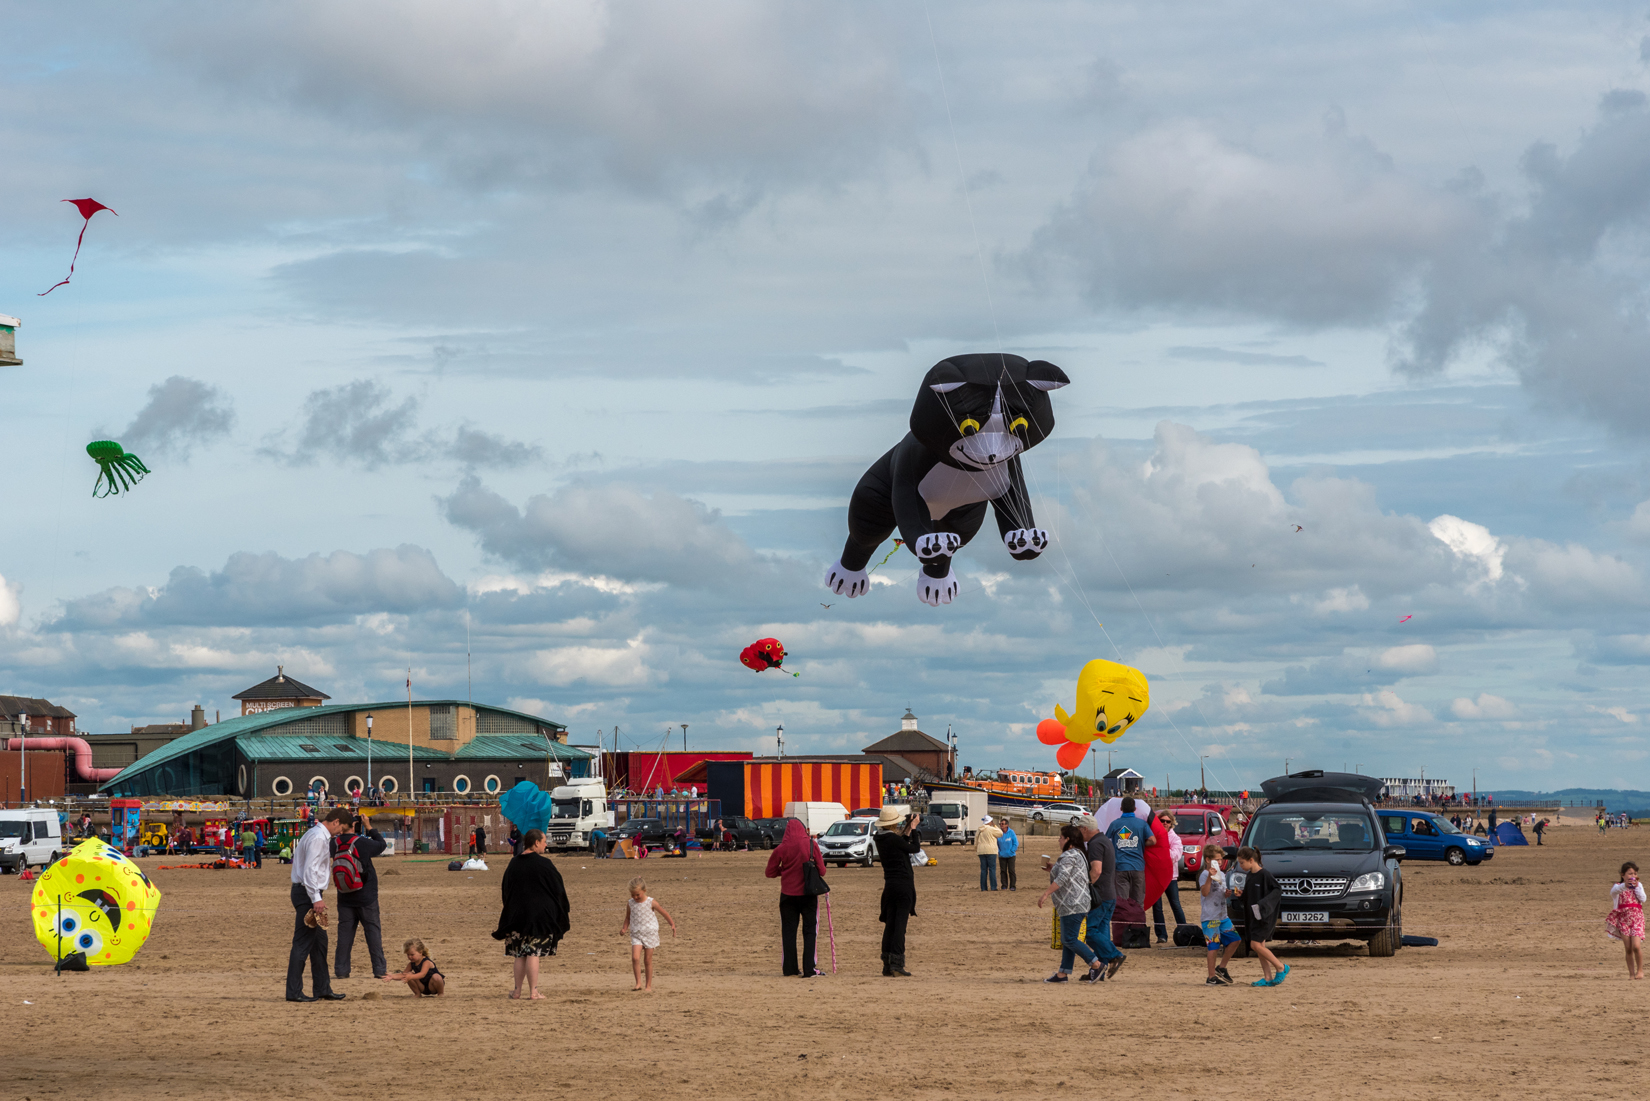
(1427, 836)
(1199, 824)
(931, 828)
(849, 840)
(773, 828)
(745, 832)
(643, 831)
(1319, 834)
(1057, 812)
(865, 812)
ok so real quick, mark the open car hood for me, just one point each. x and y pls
(1318, 786)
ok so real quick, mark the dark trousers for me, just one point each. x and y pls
(307, 944)
(893, 929)
(1172, 893)
(258, 857)
(803, 908)
(1099, 932)
(1005, 869)
(366, 916)
(988, 871)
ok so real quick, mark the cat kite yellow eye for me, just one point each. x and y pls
(969, 426)
(1019, 423)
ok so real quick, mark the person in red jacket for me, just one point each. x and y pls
(789, 857)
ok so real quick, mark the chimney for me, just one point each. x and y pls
(197, 717)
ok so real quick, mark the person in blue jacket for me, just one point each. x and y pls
(1008, 847)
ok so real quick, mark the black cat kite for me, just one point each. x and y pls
(974, 416)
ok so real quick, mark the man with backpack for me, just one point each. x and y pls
(357, 883)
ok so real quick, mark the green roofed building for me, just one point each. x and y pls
(455, 746)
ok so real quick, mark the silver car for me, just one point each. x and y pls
(849, 840)
(1057, 812)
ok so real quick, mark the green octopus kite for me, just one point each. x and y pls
(118, 469)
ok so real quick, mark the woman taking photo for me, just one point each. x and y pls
(534, 918)
(896, 844)
(1069, 887)
(787, 864)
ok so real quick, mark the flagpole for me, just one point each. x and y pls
(412, 787)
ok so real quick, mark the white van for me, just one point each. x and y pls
(816, 818)
(28, 839)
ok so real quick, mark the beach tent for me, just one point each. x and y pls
(1508, 833)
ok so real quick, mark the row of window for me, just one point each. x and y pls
(282, 785)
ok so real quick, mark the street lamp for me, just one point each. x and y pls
(1202, 780)
(684, 737)
(1286, 766)
(782, 739)
(369, 754)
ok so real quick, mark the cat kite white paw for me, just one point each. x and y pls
(937, 590)
(849, 583)
(1025, 543)
(938, 544)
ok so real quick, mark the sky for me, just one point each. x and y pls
(536, 348)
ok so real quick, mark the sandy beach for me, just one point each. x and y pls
(1523, 996)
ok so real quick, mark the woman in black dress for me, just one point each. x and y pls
(534, 918)
(896, 844)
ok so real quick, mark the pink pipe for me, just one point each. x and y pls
(82, 755)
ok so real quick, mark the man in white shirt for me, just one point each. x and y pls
(311, 870)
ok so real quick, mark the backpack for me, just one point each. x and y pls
(1186, 936)
(348, 874)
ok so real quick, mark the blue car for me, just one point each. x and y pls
(1426, 836)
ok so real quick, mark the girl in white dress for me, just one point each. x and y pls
(641, 922)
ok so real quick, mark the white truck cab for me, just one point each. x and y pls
(28, 839)
(578, 809)
(961, 810)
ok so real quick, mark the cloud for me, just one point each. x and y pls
(1472, 542)
(1246, 359)
(475, 448)
(265, 589)
(1485, 707)
(729, 97)
(614, 530)
(11, 603)
(1175, 219)
(360, 422)
(1620, 714)
(1355, 672)
(607, 666)
(356, 422)
(1388, 709)
(180, 413)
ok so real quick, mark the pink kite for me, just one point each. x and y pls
(87, 208)
(1406, 619)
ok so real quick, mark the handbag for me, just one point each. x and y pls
(813, 880)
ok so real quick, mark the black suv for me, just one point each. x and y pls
(745, 832)
(773, 830)
(1318, 833)
(643, 831)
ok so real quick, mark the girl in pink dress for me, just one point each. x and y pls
(1626, 920)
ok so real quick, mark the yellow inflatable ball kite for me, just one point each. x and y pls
(95, 902)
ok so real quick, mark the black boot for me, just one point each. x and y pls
(887, 966)
(898, 965)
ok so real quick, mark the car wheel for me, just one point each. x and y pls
(1037, 817)
(767, 842)
(869, 859)
(1456, 857)
(1385, 943)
